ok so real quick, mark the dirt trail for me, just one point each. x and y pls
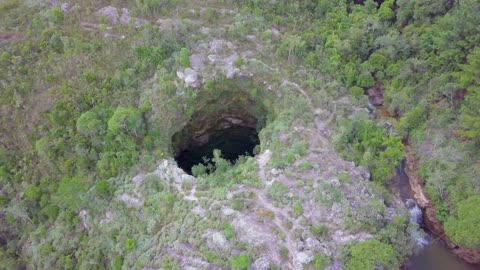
(289, 243)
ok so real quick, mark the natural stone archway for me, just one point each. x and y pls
(229, 122)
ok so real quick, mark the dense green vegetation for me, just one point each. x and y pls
(76, 117)
(424, 55)
(463, 227)
(371, 254)
(371, 146)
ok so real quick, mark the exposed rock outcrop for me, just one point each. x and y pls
(112, 15)
(375, 93)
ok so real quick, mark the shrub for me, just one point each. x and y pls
(284, 253)
(199, 170)
(297, 208)
(70, 193)
(320, 231)
(356, 92)
(184, 57)
(320, 261)
(211, 15)
(56, 15)
(228, 231)
(240, 263)
(126, 120)
(103, 188)
(129, 244)
(371, 254)
(277, 191)
(221, 164)
(32, 193)
(117, 263)
(51, 211)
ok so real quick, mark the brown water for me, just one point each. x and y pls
(434, 255)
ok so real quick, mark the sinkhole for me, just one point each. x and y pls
(233, 142)
(230, 122)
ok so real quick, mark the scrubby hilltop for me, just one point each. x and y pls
(101, 101)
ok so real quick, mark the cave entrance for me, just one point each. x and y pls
(233, 142)
(227, 120)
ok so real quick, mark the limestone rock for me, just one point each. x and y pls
(302, 258)
(130, 200)
(213, 58)
(262, 263)
(125, 18)
(196, 61)
(83, 216)
(191, 78)
(199, 211)
(65, 7)
(217, 241)
(111, 13)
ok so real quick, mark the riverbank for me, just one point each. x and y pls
(432, 224)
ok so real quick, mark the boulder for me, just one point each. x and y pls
(262, 263)
(111, 13)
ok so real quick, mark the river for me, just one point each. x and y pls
(433, 255)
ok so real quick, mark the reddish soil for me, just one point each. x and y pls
(375, 93)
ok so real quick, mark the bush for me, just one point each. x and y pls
(51, 212)
(126, 121)
(117, 263)
(277, 191)
(103, 188)
(412, 119)
(199, 170)
(70, 193)
(184, 57)
(320, 231)
(32, 193)
(229, 232)
(371, 254)
(320, 261)
(129, 244)
(356, 92)
(240, 263)
(297, 208)
(284, 253)
(221, 164)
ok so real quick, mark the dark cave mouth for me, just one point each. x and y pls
(233, 142)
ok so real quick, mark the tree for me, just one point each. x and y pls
(292, 46)
(369, 145)
(69, 193)
(372, 254)
(463, 227)
(88, 124)
(103, 188)
(385, 11)
(469, 78)
(126, 121)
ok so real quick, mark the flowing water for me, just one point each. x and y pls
(432, 255)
